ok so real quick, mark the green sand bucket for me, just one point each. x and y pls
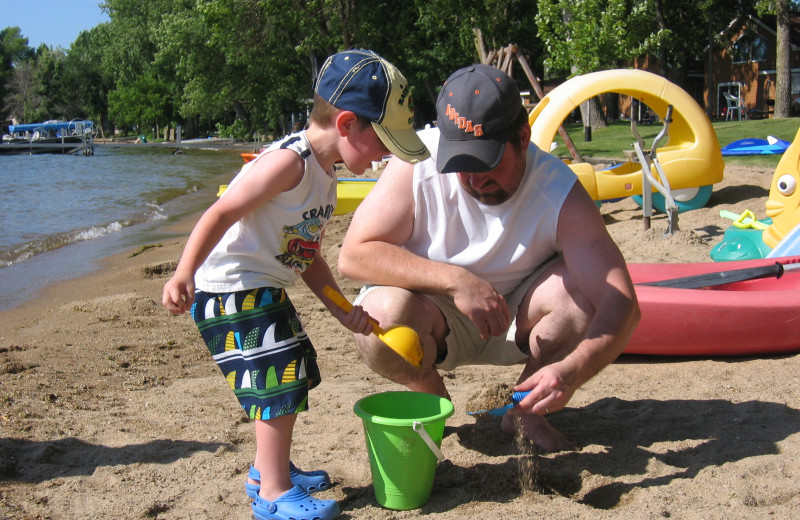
(403, 431)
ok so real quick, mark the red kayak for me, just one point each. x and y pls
(751, 317)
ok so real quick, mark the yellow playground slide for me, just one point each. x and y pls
(691, 158)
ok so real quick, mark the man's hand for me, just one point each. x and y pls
(487, 308)
(549, 388)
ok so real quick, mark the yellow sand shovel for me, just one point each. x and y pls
(401, 339)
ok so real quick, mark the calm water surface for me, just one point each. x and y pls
(63, 213)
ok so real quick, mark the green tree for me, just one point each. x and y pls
(443, 40)
(262, 73)
(783, 84)
(589, 35)
(23, 101)
(34, 87)
(130, 59)
(14, 49)
(140, 104)
(86, 82)
(49, 67)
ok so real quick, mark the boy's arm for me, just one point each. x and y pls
(317, 276)
(272, 174)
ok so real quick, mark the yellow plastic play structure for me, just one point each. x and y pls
(350, 193)
(783, 204)
(779, 234)
(691, 158)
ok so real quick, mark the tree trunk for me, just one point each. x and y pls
(662, 25)
(592, 113)
(240, 111)
(710, 102)
(783, 85)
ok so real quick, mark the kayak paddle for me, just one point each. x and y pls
(722, 277)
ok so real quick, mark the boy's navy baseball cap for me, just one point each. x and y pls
(475, 110)
(364, 83)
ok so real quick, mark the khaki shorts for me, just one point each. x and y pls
(464, 343)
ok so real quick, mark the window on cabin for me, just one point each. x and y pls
(749, 47)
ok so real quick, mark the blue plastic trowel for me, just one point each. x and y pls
(516, 397)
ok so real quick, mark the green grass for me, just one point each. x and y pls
(608, 143)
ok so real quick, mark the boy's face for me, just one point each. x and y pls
(361, 147)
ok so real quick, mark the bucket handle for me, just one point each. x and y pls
(419, 428)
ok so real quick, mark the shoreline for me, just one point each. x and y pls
(99, 279)
(23, 280)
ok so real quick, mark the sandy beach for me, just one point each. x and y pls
(111, 408)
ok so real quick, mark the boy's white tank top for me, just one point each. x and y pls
(272, 245)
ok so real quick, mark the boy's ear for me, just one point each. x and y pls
(344, 121)
(525, 136)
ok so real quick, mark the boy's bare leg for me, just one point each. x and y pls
(273, 444)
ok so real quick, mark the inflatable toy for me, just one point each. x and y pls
(769, 146)
(741, 241)
(350, 193)
(782, 222)
(789, 246)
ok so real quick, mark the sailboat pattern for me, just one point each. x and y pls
(257, 340)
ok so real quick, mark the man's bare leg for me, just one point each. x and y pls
(392, 306)
(551, 321)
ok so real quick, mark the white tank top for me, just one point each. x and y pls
(273, 244)
(501, 244)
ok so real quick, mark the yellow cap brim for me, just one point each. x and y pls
(403, 143)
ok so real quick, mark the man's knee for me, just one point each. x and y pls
(387, 305)
(554, 316)
(391, 306)
(383, 360)
(554, 293)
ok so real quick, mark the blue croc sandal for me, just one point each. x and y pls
(253, 489)
(295, 504)
(311, 481)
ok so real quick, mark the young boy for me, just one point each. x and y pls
(262, 234)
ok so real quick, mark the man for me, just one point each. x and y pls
(494, 252)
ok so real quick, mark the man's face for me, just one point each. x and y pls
(498, 185)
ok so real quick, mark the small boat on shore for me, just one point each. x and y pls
(72, 137)
(750, 317)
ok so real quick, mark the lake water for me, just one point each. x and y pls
(62, 213)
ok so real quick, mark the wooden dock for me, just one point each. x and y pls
(85, 147)
(72, 137)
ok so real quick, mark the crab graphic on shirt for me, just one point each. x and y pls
(301, 244)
